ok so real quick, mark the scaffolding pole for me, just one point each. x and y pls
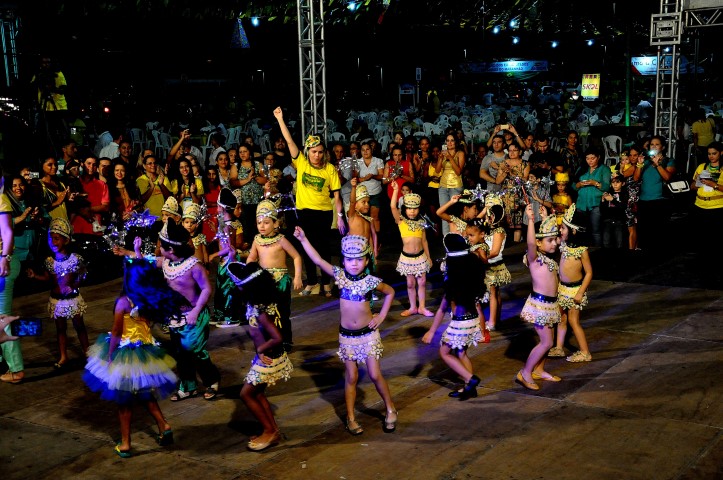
(312, 68)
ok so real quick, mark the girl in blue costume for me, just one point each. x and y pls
(463, 282)
(257, 289)
(359, 339)
(127, 365)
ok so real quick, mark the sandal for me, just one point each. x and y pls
(327, 291)
(310, 290)
(556, 352)
(181, 395)
(166, 438)
(122, 453)
(353, 427)
(211, 392)
(578, 357)
(390, 426)
(13, 377)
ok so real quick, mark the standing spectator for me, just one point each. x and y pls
(153, 186)
(511, 173)
(653, 171)
(590, 186)
(217, 142)
(97, 197)
(249, 176)
(184, 186)
(104, 169)
(709, 197)
(112, 150)
(627, 170)
(70, 151)
(470, 175)
(125, 151)
(9, 271)
(570, 156)
(490, 164)
(122, 190)
(370, 174)
(703, 134)
(317, 180)
(450, 163)
(55, 193)
(52, 105)
(281, 150)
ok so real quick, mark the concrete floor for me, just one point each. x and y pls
(646, 407)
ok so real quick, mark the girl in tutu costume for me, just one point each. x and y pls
(127, 365)
(414, 261)
(359, 339)
(257, 289)
(541, 308)
(463, 284)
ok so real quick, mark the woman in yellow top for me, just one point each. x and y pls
(709, 197)
(55, 193)
(450, 165)
(316, 180)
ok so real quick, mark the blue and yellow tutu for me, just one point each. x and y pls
(140, 369)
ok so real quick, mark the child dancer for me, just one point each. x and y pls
(189, 337)
(66, 271)
(497, 275)
(541, 308)
(575, 278)
(257, 290)
(360, 223)
(475, 235)
(359, 339)
(230, 239)
(562, 199)
(458, 220)
(191, 217)
(414, 261)
(127, 365)
(462, 286)
(270, 249)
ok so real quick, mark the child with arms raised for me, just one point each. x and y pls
(270, 249)
(541, 308)
(463, 284)
(359, 339)
(258, 292)
(414, 261)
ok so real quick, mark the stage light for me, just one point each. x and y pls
(554, 44)
(513, 23)
(352, 6)
(106, 110)
(590, 42)
(666, 49)
(515, 40)
(255, 21)
(496, 29)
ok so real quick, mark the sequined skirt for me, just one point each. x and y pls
(280, 369)
(416, 265)
(461, 334)
(66, 307)
(358, 345)
(541, 310)
(497, 275)
(566, 293)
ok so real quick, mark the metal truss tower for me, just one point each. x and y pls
(9, 24)
(312, 67)
(666, 32)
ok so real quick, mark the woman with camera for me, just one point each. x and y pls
(653, 172)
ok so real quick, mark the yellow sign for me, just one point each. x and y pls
(590, 86)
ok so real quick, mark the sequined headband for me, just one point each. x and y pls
(312, 141)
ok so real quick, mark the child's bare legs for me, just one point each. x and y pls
(412, 294)
(483, 323)
(351, 378)
(517, 235)
(495, 306)
(61, 328)
(155, 411)
(124, 416)
(255, 400)
(422, 294)
(82, 332)
(375, 375)
(561, 331)
(536, 360)
(457, 361)
(633, 237)
(574, 317)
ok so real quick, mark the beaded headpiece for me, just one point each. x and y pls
(572, 218)
(171, 206)
(173, 233)
(61, 227)
(239, 196)
(412, 200)
(354, 246)
(548, 228)
(267, 208)
(192, 211)
(492, 199)
(226, 199)
(562, 177)
(361, 192)
(466, 197)
(455, 245)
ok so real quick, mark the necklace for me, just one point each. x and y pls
(69, 264)
(173, 270)
(572, 252)
(414, 225)
(265, 241)
(365, 217)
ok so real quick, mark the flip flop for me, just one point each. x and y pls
(122, 453)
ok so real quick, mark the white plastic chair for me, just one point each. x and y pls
(384, 142)
(613, 145)
(234, 136)
(137, 138)
(265, 143)
(337, 137)
(205, 148)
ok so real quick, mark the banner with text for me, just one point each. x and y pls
(590, 86)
